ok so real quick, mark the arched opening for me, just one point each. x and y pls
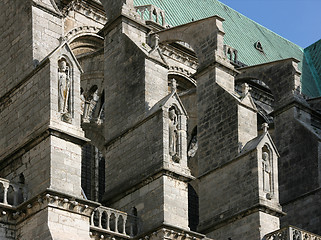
(120, 224)
(112, 222)
(184, 83)
(92, 172)
(104, 218)
(11, 196)
(86, 44)
(193, 208)
(1, 193)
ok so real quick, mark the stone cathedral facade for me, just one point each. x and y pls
(155, 119)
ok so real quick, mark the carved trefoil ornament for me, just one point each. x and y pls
(64, 90)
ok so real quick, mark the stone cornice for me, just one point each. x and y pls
(47, 199)
(39, 136)
(86, 10)
(181, 57)
(83, 30)
(167, 231)
(221, 220)
(161, 172)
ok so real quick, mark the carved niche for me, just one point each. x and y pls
(174, 136)
(64, 90)
(267, 171)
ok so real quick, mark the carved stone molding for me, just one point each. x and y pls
(73, 33)
(79, 6)
(50, 198)
(171, 232)
(179, 56)
(291, 233)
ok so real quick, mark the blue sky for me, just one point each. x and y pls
(296, 20)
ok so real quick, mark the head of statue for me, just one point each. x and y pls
(172, 114)
(265, 156)
(62, 65)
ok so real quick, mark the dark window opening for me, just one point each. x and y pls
(193, 212)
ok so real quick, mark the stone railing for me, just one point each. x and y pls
(12, 194)
(110, 222)
(230, 53)
(151, 13)
(291, 233)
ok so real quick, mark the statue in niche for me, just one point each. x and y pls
(64, 83)
(173, 136)
(267, 172)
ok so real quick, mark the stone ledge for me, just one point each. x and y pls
(47, 199)
(112, 197)
(167, 231)
(45, 132)
(220, 220)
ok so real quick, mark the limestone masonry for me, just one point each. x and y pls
(123, 119)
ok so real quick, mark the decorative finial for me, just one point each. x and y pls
(265, 127)
(173, 85)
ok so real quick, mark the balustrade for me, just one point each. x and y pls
(11, 194)
(151, 13)
(113, 222)
(291, 233)
(230, 53)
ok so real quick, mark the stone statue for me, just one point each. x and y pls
(173, 121)
(193, 146)
(63, 87)
(267, 171)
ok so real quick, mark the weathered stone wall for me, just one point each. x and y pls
(175, 202)
(133, 83)
(65, 169)
(52, 223)
(247, 227)
(53, 163)
(35, 227)
(124, 95)
(15, 42)
(149, 202)
(161, 201)
(305, 213)
(67, 225)
(29, 34)
(25, 112)
(247, 122)
(217, 126)
(7, 232)
(34, 165)
(234, 189)
(46, 32)
(134, 156)
(299, 170)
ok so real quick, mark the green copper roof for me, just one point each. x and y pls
(312, 70)
(241, 33)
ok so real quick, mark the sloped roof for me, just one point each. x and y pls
(241, 33)
(312, 70)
